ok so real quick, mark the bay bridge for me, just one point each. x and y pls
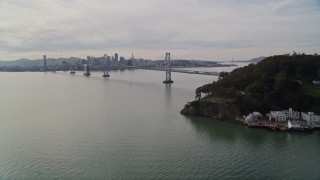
(182, 71)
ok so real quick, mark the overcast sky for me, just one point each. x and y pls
(191, 29)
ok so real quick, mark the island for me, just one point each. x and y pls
(272, 86)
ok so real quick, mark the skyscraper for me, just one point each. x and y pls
(88, 59)
(116, 56)
(45, 68)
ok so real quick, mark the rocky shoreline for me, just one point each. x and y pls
(228, 111)
(220, 110)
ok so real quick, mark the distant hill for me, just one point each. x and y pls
(254, 60)
(258, 59)
(20, 62)
(37, 62)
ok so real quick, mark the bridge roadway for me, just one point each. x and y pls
(172, 70)
(182, 71)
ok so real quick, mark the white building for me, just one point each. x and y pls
(310, 117)
(255, 116)
(291, 114)
(277, 116)
(316, 82)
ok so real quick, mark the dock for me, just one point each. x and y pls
(282, 126)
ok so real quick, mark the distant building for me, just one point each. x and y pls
(277, 116)
(105, 59)
(310, 117)
(88, 59)
(114, 60)
(45, 67)
(116, 56)
(122, 60)
(94, 61)
(108, 58)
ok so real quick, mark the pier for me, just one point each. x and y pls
(281, 126)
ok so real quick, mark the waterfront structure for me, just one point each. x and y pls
(168, 69)
(291, 114)
(293, 126)
(310, 117)
(296, 126)
(277, 116)
(253, 117)
(45, 67)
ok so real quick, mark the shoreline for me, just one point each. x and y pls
(280, 127)
(228, 111)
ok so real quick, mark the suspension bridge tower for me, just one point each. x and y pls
(168, 69)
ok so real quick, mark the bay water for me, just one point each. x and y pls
(129, 126)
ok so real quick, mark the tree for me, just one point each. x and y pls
(280, 82)
(223, 74)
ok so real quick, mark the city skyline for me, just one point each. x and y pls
(190, 29)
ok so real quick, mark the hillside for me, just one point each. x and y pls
(275, 83)
(37, 62)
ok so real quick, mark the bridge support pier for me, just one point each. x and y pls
(168, 69)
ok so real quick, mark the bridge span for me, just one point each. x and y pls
(177, 70)
(181, 71)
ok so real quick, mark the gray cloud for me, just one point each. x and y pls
(32, 28)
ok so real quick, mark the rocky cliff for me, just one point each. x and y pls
(217, 110)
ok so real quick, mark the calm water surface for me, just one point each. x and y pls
(62, 126)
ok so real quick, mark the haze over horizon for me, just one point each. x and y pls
(190, 29)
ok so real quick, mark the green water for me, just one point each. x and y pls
(62, 126)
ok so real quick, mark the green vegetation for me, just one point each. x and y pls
(312, 91)
(277, 82)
